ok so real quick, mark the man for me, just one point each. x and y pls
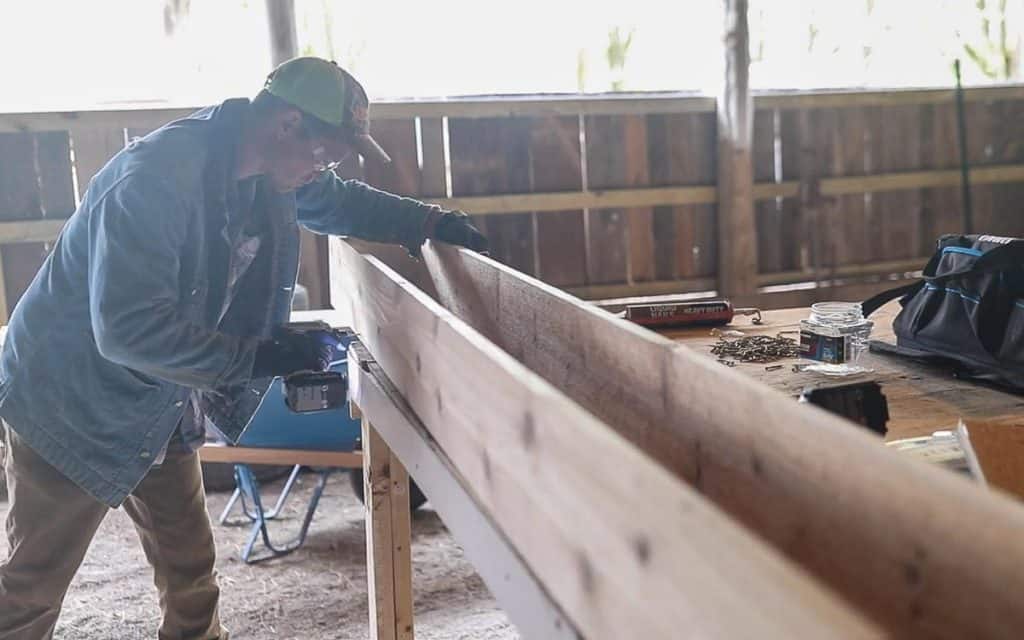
(160, 306)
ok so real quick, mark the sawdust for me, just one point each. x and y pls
(316, 593)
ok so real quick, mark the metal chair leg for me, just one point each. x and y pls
(231, 503)
(251, 513)
(259, 528)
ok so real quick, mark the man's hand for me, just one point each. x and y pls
(291, 351)
(454, 227)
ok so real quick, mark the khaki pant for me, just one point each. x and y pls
(51, 522)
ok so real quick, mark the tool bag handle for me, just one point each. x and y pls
(997, 259)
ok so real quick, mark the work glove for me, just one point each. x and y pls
(455, 227)
(290, 351)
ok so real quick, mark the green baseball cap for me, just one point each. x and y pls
(327, 92)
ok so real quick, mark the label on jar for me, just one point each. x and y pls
(827, 349)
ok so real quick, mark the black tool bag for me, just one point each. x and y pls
(967, 309)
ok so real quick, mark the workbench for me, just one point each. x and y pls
(922, 398)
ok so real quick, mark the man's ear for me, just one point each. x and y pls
(289, 123)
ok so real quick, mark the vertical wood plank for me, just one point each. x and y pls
(663, 223)
(491, 156)
(686, 157)
(607, 227)
(402, 174)
(433, 175)
(737, 244)
(639, 220)
(94, 147)
(854, 236)
(1008, 147)
(941, 209)
(380, 567)
(19, 187)
(56, 181)
(791, 254)
(401, 548)
(556, 166)
(823, 233)
(809, 171)
(35, 182)
(703, 129)
(4, 315)
(898, 148)
(767, 213)
(980, 152)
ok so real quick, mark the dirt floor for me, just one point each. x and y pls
(316, 593)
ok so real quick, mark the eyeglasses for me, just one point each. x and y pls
(321, 165)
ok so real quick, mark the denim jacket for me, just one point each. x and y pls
(121, 322)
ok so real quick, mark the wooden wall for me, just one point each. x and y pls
(611, 196)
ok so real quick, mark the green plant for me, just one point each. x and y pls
(994, 55)
(615, 53)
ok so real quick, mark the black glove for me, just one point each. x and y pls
(455, 227)
(291, 351)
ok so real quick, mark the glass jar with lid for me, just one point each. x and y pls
(834, 337)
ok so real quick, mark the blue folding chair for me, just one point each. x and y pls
(289, 437)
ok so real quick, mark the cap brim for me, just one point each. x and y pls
(368, 148)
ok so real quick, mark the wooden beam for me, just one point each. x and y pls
(920, 550)
(253, 455)
(582, 530)
(18, 231)
(46, 230)
(515, 587)
(146, 116)
(737, 242)
(143, 117)
(694, 289)
(656, 288)
(658, 196)
(594, 199)
(882, 97)
(388, 539)
(843, 271)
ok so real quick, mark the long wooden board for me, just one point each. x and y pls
(923, 552)
(521, 595)
(624, 547)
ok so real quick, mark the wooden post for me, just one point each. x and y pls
(313, 250)
(283, 38)
(388, 539)
(737, 245)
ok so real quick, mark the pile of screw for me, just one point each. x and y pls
(760, 349)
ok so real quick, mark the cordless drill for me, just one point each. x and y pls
(308, 391)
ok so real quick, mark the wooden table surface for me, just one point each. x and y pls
(922, 399)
